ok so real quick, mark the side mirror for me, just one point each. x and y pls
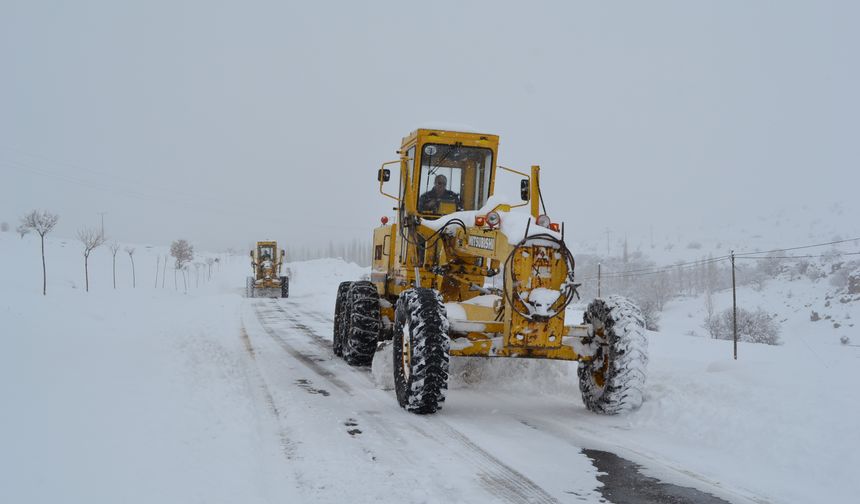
(524, 189)
(252, 254)
(384, 175)
(282, 253)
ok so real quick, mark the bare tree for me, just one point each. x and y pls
(130, 252)
(185, 269)
(197, 266)
(163, 272)
(114, 248)
(183, 253)
(91, 240)
(157, 264)
(209, 262)
(4, 227)
(22, 231)
(42, 223)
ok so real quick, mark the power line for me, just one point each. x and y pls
(660, 269)
(744, 255)
(835, 254)
(798, 248)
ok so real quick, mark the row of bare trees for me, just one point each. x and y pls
(43, 222)
(183, 255)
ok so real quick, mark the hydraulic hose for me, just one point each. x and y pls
(568, 287)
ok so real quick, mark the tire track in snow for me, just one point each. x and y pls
(315, 338)
(343, 409)
(496, 477)
(499, 479)
(319, 317)
(308, 361)
(288, 447)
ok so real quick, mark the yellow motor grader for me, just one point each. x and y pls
(266, 263)
(463, 273)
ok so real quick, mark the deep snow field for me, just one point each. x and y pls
(143, 395)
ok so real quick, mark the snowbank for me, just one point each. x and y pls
(126, 395)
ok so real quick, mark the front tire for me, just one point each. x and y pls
(362, 324)
(285, 287)
(421, 351)
(340, 313)
(249, 287)
(614, 381)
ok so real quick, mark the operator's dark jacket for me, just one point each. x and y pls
(429, 201)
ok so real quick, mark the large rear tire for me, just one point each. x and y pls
(340, 313)
(614, 381)
(249, 286)
(362, 324)
(285, 287)
(421, 351)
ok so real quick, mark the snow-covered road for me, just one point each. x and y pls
(352, 440)
(347, 439)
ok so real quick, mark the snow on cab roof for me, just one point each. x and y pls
(438, 125)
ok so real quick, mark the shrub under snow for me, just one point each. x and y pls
(753, 326)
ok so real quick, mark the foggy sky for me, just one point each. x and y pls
(228, 122)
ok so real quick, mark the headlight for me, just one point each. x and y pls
(494, 219)
(544, 221)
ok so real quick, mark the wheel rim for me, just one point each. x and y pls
(406, 352)
(599, 372)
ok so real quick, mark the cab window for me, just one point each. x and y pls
(452, 178)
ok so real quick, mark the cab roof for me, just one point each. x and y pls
(445, 136)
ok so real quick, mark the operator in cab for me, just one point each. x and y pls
(429, 202)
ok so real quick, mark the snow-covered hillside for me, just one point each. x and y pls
(151, 394)
(806, 223)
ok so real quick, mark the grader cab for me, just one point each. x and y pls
(266, 281)
(463, 273)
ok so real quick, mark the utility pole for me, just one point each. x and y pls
(598, 279)
(103, 222)
(734, 307)
(607, 242)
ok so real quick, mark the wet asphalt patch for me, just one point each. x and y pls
(624, 484)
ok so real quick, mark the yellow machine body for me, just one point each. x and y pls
(456, 248)
(266, 262)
